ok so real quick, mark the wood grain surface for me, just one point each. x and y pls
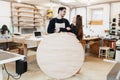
(60, 55)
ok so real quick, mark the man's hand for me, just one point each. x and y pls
(57, 30)
(68, 28)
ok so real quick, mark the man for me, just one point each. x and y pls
(59, 24)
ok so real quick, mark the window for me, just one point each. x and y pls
(97, 14)
(97, 17)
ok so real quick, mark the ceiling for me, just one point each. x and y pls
(77, 3)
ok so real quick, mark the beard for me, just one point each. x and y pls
(62, 16)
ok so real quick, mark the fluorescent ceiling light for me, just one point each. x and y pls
(88, 2)
(18, 0)
(68, 1)
(51, 4)
(83, 1)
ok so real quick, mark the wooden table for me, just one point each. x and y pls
(89, 41)
(6, 40)
(91, 38)
(27, 41)
(6, 57)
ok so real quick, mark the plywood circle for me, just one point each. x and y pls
(60, 55)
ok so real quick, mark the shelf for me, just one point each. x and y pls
(35, 13)
(26, 17)
(17, 7)
(29, 21)
(26, 25)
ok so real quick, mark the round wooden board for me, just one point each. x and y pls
(60, 55)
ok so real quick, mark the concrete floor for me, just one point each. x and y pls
(92, 69)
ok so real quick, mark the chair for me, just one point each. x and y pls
(106, 54)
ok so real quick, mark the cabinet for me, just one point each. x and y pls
(110, 43)
(94, 48)
(26, 16)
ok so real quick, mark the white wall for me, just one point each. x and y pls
(5, 14)
(99, 29)
(115, 9)
(67, 16)
(73, 13)
(82, 12)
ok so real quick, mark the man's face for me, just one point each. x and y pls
(63, 12)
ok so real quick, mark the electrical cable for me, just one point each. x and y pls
(14, 77)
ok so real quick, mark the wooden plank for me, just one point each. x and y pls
(36, 13)
(96, 22)
(26, 25)
(6, 40)
(17, 7)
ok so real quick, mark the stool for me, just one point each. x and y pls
(107, 50)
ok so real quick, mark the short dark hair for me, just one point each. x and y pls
(4, 28)
(61, 8)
